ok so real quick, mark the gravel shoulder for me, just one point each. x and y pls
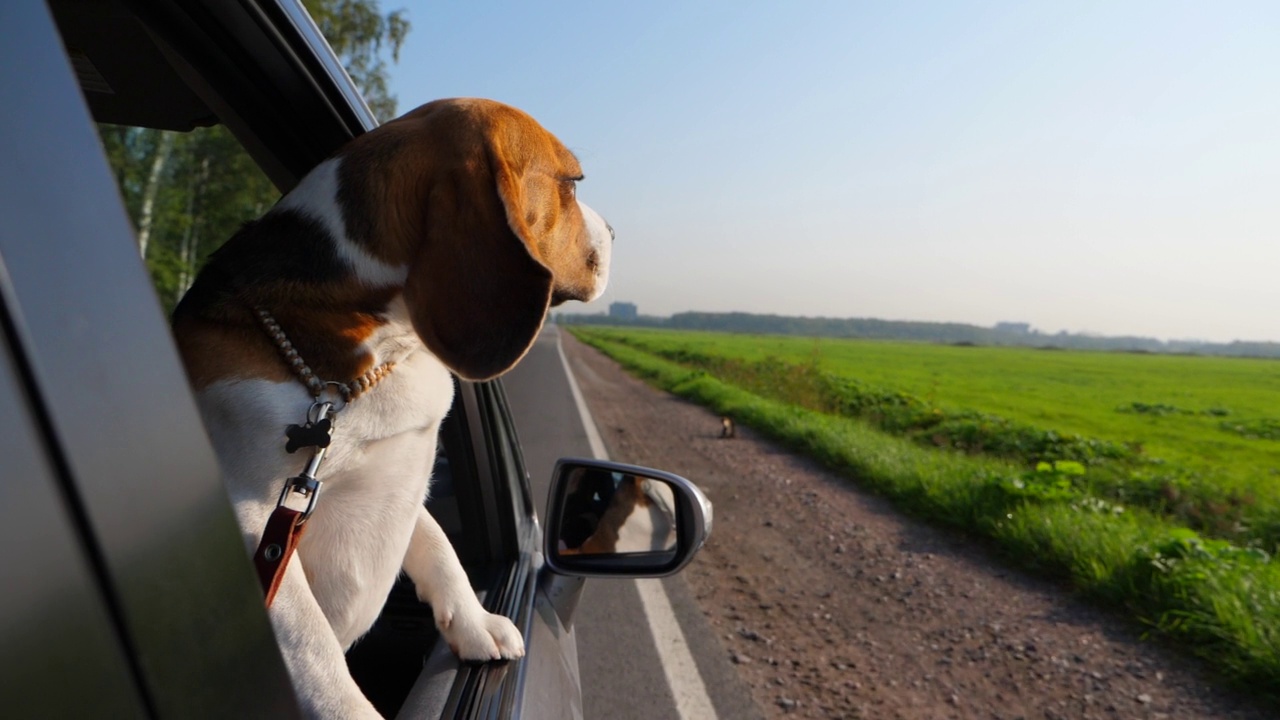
(831, 604)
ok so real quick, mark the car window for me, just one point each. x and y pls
(190, 192)
(185, 193)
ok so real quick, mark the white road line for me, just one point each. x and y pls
(692, 700)
(593, 434)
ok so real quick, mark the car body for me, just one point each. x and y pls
(128, 592)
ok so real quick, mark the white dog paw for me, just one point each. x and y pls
(481, 636)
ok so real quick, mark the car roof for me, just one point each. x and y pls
(261, 67)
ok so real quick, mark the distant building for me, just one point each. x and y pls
(1014, 327)
(623, 310)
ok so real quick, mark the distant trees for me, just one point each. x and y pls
(186, 193)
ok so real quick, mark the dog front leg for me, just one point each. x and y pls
(316, 661)
(471, 631)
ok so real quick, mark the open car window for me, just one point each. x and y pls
(187, 193)
(477, 474)
(188, 181)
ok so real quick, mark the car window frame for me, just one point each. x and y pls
(140, 481)
(506, 571)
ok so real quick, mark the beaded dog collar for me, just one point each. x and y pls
(348, 390)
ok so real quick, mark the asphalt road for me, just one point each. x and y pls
(620, 666)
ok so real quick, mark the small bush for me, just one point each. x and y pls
(1156, 409)
(1260, 429)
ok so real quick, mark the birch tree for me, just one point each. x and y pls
(146, 212)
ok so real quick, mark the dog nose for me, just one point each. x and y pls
(612, 236)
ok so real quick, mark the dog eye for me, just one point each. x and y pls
(571, 184)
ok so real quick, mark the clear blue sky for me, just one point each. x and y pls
(1107, 167)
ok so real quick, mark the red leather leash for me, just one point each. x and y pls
(285, 526)
(279, 540)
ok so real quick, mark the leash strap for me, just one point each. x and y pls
(279, 540)
(285, 526)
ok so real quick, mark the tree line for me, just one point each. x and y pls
(188, 192)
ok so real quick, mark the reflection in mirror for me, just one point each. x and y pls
(609, 512)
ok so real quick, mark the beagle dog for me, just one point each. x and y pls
(432, 245)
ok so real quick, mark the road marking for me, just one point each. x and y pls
(692, 700)
(593, 434)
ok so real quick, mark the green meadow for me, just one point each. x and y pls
(1149, 482)
(1208, 420)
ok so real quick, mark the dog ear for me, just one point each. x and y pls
(476, 295)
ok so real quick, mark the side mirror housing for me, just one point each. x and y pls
(607, 519)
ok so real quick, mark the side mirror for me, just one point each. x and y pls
(610, 519)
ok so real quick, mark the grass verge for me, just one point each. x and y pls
(1216, 599)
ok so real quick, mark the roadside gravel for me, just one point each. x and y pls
(832, 604)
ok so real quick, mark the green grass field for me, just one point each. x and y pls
(1200, 411)
(1148, 482)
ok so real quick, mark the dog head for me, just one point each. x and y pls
(480, 203)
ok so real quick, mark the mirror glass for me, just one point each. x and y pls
(616, 513)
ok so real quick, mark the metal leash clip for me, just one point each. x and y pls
(306, 486)
(316, 434)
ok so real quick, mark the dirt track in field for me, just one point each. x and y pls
(833, 605)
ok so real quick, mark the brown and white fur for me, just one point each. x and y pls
(437, 242)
